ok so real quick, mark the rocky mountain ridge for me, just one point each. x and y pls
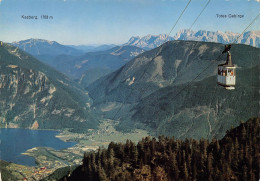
(152, 41)
(148, 41)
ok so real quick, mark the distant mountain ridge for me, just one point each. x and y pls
(103, 62)
(152, 41)
(92, 48)
(249, 38)
(44, 47)
(148, 41)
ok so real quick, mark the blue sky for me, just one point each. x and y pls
(115, 21)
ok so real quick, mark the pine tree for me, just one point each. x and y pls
(194, 171)
(185, 172)
(135, 156)
(175, 169)
(153, 146)
(101, 174)
(209, 164)
(93, 161)
(111, 159)
(103, 158)
(245, 178)
(89, 172)
(159, 174)
(243, 133)
(229, 159)
(85, 155)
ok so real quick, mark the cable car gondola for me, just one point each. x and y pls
(227, 71)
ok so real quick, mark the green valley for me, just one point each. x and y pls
(156, 91)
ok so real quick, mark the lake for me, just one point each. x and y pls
(13, 142)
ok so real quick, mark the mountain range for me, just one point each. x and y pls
(152, 41)
(148, 41)
(137, 87)
(88, 63)
(156, 91)
(164, 88)
(90, 66)
(34, 95)
(42, 47)
(92, 48)
(75, 63)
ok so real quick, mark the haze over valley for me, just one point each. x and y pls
(129, 90)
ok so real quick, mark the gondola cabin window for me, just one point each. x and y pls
(226, 72)
(226, 76)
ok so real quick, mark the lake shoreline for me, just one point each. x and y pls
(50, 159)
(16, 141)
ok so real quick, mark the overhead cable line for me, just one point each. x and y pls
(246, 28)
(199, 15)
(218, 56)
(177, 20)
(155, 55)
(188, 84)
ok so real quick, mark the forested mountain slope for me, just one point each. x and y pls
(173, 63)
(156, 91)
(235, 157)
(33, 95)
(200, 109)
